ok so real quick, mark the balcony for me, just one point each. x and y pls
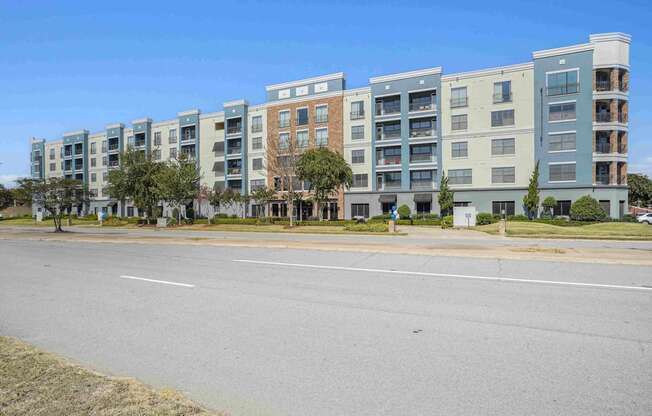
(603, 85)
(388, 186)
(422, 158)
(622, 148)
(114, 163)
(388, 161)
(234, 171)
(422, 105)
(356, 115)
(188, 137)
(422, 184)
(388, 107)
(502, 98)
(603, 148)
(388, 135)
(602, 178)
(603, 117)
(114, 146)
(237, 129)
(234, 150)
(430, 132)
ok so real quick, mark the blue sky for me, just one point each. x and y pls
(71, 65)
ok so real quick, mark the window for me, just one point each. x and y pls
(157, 154)
(562, 172)
(52, 154)
(302, 116)
(130, 211)
(561, 142)
(93, 162)
(257, 164)
(360, 210)
(357, 132)
(502, 118)
(459, 122)
(422, 152)
(105, 176)
(53, 166)
(93, 177)
(173, 153)
(423, 100)
(360, 180)
(606, 206)
(501, 147)
(172, 136)
(421, 179)
(103, 146)
(302, 138)
(560, 83)
(257, 143)
(284, 140)
(321, 114)
(458, 97)
(321, 137)
(93, 148)
(357, 156)
(459, 149)
(104, 160)
(157, 138)
(257, 124)
(461, 204)
(503, 175)
(561, 112)
(92, 193)
(497, 207)
(562, 208)
(502, 92)
(423, 207)
(284, 118)
(256, 184)
(357, 110)
(460, 176)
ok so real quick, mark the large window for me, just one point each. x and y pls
(284, 140)
(157, 138)
(257, 163)
(93, 150)
(424, 207)
(559, 83)
(562, 112)
(460, 176)
(357, 132)
(459, 149)
(257, 124)
(502, 118)
(357, 156)
(562, 208)
(284, 118)
(52, 152)
(458, 97)
(256, 184)
(561, 142)
(172, 136)
(302, 116)
(321, 137)
(321, 114)
(498, 207)
(157, 154)
(561, 172)
(257, 143)
(360, 210)
(360, 180)
(502, 147)
(302, 138)
(502, 91)
(459, 122)
(503, 175)
(357, 110)
(422, 179)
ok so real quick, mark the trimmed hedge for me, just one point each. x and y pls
(484, 218)
(447, 221)
(368, 228)
(587, 209)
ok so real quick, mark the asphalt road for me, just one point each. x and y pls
(340, 333)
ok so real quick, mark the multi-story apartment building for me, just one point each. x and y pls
(566, 110)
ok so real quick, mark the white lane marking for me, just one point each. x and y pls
(461, 276)
(165, 282)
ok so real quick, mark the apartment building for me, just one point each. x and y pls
(566, 109)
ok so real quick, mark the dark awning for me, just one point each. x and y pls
(218, 147)
(385, 198)
(422, 197)
(218, 167)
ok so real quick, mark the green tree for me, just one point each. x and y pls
(587, 209)
(531, 199)
(640, 189)
(326, 170)
(6, 197)
(242, 201)
(56, 195)
(549, 205)
(404, 211)
(229, 198)
(177, 182)
(262, 197)
(445, 198)
(214, 197)
(136, 180)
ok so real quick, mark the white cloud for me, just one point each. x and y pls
(8, 180)
(643, 166)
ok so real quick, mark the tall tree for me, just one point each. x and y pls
(262, 197)
(6, 197)
(177, 183)
(215, 200)
(445, 198)
(531, 199)
(136, 180)
(640, 189)
(281, 162)
(56, 195)
(327, 172)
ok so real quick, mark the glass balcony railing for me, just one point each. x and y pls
(603, 148)
(384, 109)
(234, 171)
(422, 132)
(422, 106)
(388, 135)
(422, 157)
(603, 117)
(602, 179)
(603, 85)
(234, 150)
(388, 160)
(388, 186)
(563, 89)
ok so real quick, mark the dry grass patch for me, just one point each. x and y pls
(35, 383)
(606, 230)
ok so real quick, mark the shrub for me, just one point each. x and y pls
(427, 221)
(587, 209)
(89, 217)
(549, 205)
(447, 221)
(175, 213)
(519, 217)
(629, 218)
(381, 217)
(221, 215)
(133, 220)
(114, 222)
(368, 228)
(190, 213)
(201, 221)
(171, 222)
(235, 220)
(484, 218)
(404, 211)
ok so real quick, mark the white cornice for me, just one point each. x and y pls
(235, 103)
(315, 97)
(75, 133)
(115, 126)
(217, 114)
(193, 112)
(402, 75)
(141, 120)
(606, 37)
(546, 53)
(489, 71)
(356, 91)
(165, 122)
(322, 78)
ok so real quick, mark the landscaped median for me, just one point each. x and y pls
(34, 382)
(603, 230)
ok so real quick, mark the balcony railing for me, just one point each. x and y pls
(113, 147)
(380, 136)
(603, 85)
(388, 186)
(563, 89)
(603, 179)
(356, 115)
(603, 148)
(234, 171)
(502, 98)
(139, 143)
(387, 109)
(422, 106)
(459, 102)
(422, 132)
(429, 184)
(603, 117)
(235, 130)
(389, 160)
(67, 154)
(422, 157)
(113, 163)
(234, 150)
(188, 137)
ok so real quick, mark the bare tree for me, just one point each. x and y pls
(282, 159)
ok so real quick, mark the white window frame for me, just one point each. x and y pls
(562, 163)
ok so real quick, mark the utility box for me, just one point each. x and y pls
(464, 217)
(161, 222)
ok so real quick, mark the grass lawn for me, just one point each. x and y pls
(45, 223)
(607, 230)
(33, 382)
(274, 228)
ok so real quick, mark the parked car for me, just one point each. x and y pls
(645, 218)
